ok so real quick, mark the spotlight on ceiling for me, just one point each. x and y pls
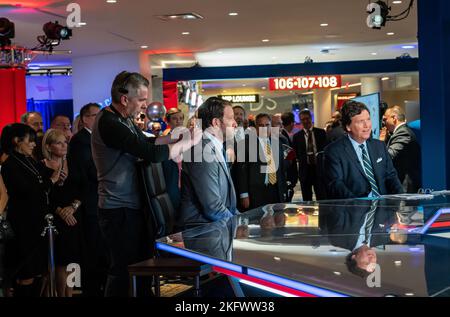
(7, 31)
(380, 13)
(55, 31)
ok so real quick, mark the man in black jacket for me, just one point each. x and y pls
(261, 178)
(308, 143)
(358, 166)
(83, 171)
(117, 145)
(403, 149)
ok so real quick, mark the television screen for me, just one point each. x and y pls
(373, 103)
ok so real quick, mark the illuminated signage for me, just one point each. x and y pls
(305, 82)
(240, 98)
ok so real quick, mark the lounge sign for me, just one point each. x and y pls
(240, 98)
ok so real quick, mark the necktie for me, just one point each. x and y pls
(311, 158)
(369, 171)
(270, 165)
(370, 218)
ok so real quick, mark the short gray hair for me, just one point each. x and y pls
(401, 116)
(26, 115)
(127, 83)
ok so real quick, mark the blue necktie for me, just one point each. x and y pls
(369, 171)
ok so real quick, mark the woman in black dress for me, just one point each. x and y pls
(64, 202)
(28, 184)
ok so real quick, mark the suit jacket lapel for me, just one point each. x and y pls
(353, 157)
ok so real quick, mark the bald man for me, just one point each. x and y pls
(404, 149)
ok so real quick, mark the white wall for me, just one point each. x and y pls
(93, 75)
(49, 87)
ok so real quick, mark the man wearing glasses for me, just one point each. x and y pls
(62, 122)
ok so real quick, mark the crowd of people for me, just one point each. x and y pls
(87, 177)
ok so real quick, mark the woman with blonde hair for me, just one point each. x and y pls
(64, 202)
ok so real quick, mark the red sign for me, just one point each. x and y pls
(305, 82)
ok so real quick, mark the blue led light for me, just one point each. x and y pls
(199, 257)
(431, 221)
(294, 284)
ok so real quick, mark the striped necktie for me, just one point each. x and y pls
(369, 171)
(270, 165)
(370, 219)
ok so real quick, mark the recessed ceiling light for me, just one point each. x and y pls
(337, 273)
(390, 33)
(409, 294)
(233, 14)
(185, 33)
(324, 24)
(144, 46)
(397, 2)
(406, 47)
(374, 54)
(82, 24)
(385, 78)
(111, 1)
(266, 40)
(180, 16)
(398, 263)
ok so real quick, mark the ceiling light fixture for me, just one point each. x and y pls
(180, 16)
(324, 24)
(111, 1)
(185, 33)
(390, 33)
(233, 14)
(144, 46)
(265, 40)
(385, 78)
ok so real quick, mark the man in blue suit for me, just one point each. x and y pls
(356, 165)
(207, 190)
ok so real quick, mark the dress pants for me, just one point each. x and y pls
(127, 242)
(308, 180)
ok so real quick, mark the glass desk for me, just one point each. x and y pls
(385, 247)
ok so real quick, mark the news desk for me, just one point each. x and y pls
(300, 249)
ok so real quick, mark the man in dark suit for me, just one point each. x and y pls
(290, 161)
(207, 191)
(82, 168)
(359, 226)
(308, 143)
(403, 149)
(260, 177)
(357, 165)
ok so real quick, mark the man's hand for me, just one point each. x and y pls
(245, 202)
(186, 139)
